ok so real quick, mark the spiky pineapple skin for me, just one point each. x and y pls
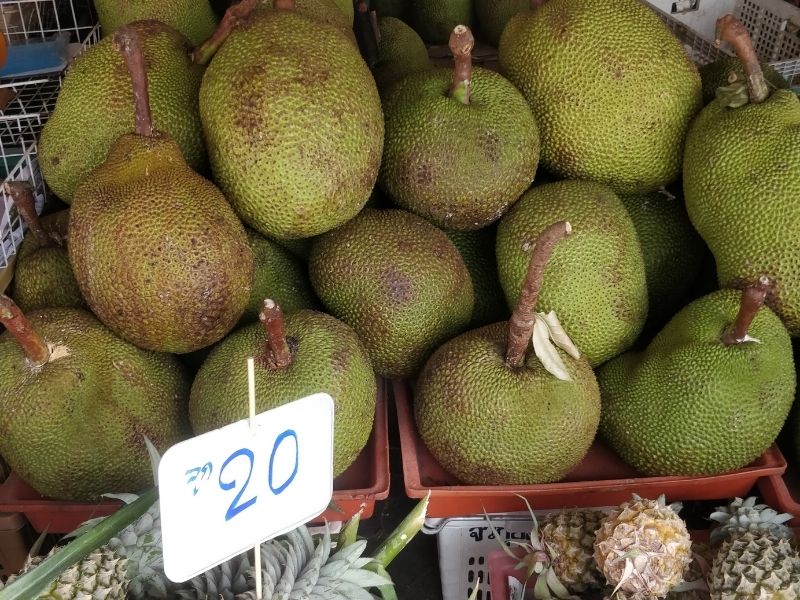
(741, 515)
(223, 582)
(755, 566)
(572, 535)
(697, 571)
(99, 576)
(660, 540)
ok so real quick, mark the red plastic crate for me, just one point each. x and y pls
(782, 492)
(602, 479)
(364, 482)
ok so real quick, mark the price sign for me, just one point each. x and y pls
(225, 491)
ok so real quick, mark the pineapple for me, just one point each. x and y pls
(757, 558)
(140, 544)
(223, 582)
(99, 576)
(643, 549)
(570, 535)
(694, 578)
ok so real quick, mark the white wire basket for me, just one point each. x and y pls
(774, 27)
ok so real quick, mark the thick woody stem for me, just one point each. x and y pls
(32, 343)
(461, 44)
(276, 349)
(284, 5)
(203, 53)
(520, 326)
(21, 193)
(731, 30)
(376, 28)
(537, 3)
(752, 300)
(128, 42)
(366, 34)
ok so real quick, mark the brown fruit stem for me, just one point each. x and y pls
(202, 54)
(127, 41)
(21, 193)
(32, 343)
(284, 5)
(461, 44)
(537, 3)
(376, 29)
(731, 30)
(276, 349)
(752, 300)
(520, 326)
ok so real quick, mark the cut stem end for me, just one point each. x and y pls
(520, 326)
(33, 345)
(732, 30)
(752, 300)
(277, 354)
(129, 44)
(21, 193)
(461, 44)
(203, 53)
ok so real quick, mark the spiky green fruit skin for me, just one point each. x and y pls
(673, 252)
(477, 250)
(400, 51)
(398, 281)
(460, 166)
(327, 357)
(102, 575)
(43, 276)
(347, 8)
(157, 251)
(493, 15)
(97, 389)
(595, 279)
(289, 172)
(434, 20)
(547, 424)
(193, 18)
(755, 566)
(611, 87)
(280, 276)
(95, 106)
(742, 170)
(324, 11)
(688, 404)
(714, 75)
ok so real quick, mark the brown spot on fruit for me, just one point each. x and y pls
(398, 285)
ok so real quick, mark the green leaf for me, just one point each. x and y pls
(403, 533)
(33, 583)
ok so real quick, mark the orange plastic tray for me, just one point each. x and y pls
(602, 479)
(782, 492)
(364, 482)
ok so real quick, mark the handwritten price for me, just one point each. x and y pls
(197, 474)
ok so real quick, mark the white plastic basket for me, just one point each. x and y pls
(464, 544)
(774, 26)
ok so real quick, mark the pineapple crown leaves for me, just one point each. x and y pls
(547, 334)
(538, 559)
(743, 515)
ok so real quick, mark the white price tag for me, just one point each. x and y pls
(225, 491)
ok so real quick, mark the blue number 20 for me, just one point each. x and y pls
(278, 440)
(234, 509)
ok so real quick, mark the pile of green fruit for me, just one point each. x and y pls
(578, 246)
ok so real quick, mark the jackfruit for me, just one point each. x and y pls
(595, 279)
(741, 181)
(708, 395)
(673, 252)
(77, 403)
(42, 274)
(400, 52)
(544, 424)
(324, 11)
(158, 252)
(398, 281)
(95, 106)
(305, 353)
(294, 125)
(611, 87)
(193, 18)
(728, 70)
(435, 19)
(461, 144)
(492, 16)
